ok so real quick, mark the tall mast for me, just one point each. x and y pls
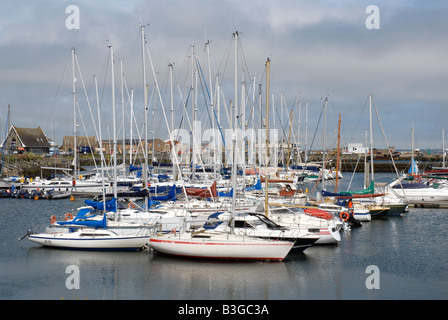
(337, 155)
(130, 127)
(324, 147)
(122, 111)
(145, 126)
(114, 120)
(268, 66)
(371, 138)
(212, 107)
(235, 124)
(306, 132)
(443, 148)
(101, 144)
(75, 156)
(170, 65)
(412, 153)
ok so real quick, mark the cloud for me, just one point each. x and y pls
(317, 48)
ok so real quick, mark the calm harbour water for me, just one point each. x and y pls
(409, 250)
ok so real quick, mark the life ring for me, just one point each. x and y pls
(52, 219)
(131, 205)
(344, 216)
(68, 216)
(173, 231)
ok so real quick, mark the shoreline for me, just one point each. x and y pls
(31, 166)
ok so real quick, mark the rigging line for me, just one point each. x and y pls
(248, 153)
(385, 138)
(214, 112)
(312, 142)
(203, 83)
(87, 98)
(58, 91)
(87, 137)
(165, 117)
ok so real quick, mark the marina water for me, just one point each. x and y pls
(409, 252)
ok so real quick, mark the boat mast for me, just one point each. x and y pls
(371, 138)
(337, 155)
(114, 125)
(170, 65)
(306, 132)
(366, 168)
(323, 148)
(289, 141)
(130, 127)
(266, 209)
(235, 125)
(122, 112)
(412, 153)
(145, 125)
(101, 144)
(75, 156)
(443, 148)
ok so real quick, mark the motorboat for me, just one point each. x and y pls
(259, 226)
(419, 192)
(327, 228)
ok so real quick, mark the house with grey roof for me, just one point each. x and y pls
(21, 140)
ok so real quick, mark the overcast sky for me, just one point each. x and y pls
(317, 49)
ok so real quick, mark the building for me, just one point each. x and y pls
(355, 148)
(21, 140)
(83, 143)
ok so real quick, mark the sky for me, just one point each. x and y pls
(317, 49)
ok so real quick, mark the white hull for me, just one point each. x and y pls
(90, 240)
(220, 246)
(362, 216)
(423, 195)
(328, 231)
(419, 195)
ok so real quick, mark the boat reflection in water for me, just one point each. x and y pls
(209, 279)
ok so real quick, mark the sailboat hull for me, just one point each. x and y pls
(89, 242)
(225, 247)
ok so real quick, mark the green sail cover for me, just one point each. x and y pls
(369, 190)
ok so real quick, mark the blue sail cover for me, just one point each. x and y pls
(256, 186)
(79, 220)
(211, 224)
(413, 166)
(226, 194)
(111, 205)
(171, 196)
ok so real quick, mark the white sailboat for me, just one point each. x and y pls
(91, 239)
(225, 244)
(92, 231)
(220, 245)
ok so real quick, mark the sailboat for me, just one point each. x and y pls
(91, 239)
(91, 231)
(222, 244)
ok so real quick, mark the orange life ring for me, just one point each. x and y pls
(52, 219)
(344, 216)
(68, 216)
(131, 205)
